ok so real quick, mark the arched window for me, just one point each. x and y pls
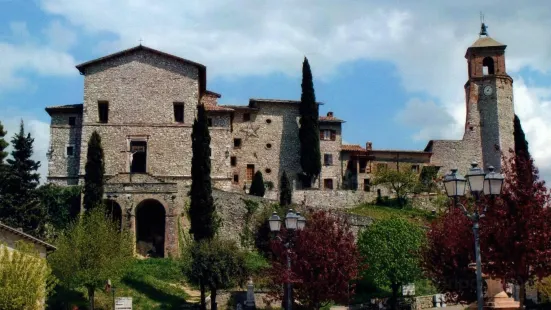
(488, 66)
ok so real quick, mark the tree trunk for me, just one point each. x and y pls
(394, 298)
(91, 297)
(213, 305)
(522, 294)
(203, 301)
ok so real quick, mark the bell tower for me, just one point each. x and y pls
(489, 99)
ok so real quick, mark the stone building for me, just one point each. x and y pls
(143, 102)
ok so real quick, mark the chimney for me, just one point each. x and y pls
(369, 146)
(329, 114)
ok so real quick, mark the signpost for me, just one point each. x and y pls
(123, 303)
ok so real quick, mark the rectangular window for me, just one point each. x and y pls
(138, 156)
(236, 178)
(328, 135)
(236, 143)
(103, 111)
(209, 122)
(233, 161)
(246, 117)
(72, 120)
(178, 112)
(328, 159)
(363, 165)
(367, 185)
(250, 172)
(70, 151)
(328, 183)
(415, 168)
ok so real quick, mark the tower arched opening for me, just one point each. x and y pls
(150, 228)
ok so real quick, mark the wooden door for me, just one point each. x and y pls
(250, 172)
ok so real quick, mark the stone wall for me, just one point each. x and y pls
(333, 171)
(335, 199)
(62, 167)
(269, 141)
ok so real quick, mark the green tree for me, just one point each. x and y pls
(390, 248)
(25, 278)
(202, 212)
(257, 186)
(91, 251)
(61, 205)
(402, 182)
(19, 206)
(218, 264)
(3, 167)
(94, 173)
(285, 190)
(309, 132)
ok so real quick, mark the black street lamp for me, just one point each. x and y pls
(293, 221)
(479, 183)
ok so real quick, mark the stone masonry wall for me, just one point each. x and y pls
(63, 168)
(269, 142)
(334, 170)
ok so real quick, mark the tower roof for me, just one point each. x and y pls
(486, 42)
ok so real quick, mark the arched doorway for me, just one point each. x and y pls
(114, 211)
(150, 228)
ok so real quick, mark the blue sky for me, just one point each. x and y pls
(394, 70)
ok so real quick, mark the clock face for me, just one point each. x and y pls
(488, 90)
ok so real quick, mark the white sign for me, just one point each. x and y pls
(408, 290)
(123, 303)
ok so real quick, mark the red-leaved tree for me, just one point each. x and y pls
(324, 259)
(448, 253)
(516, 232)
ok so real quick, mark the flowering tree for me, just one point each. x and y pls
(516, 234)
(448, 252)
(324, 262)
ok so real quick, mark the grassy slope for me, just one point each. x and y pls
(153, 284)
(376, 212)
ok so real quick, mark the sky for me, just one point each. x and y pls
(394, 70)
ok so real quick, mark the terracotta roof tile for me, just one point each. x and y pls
(352, 148)
(217, 108)
(330, 119)
(26, 236)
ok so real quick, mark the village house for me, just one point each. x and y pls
(143, 102)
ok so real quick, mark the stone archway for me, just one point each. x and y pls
(114, 211)
(150, 228)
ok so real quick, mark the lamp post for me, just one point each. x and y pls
(479, 183)
(293, 221)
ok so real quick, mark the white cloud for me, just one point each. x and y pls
(40, 131)
(23, 54)
(60, 36)
(437, 122)
(425, 40)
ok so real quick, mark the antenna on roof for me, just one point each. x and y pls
(141, 41)
(483, 27)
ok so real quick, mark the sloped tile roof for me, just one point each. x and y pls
(217, 108)
(26, 236)
(330, 119)
(486, 42)
(352, 148)
(64, 108)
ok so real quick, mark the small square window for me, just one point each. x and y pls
(236, 178)
(70, 151)
(72, 120)
(233, 161)
(209, 122)
(367, 185)
(328, 159)
(415, 168)
(103, 111)
(178, 112)
(328, 183)
(246, 117)
(236, 143)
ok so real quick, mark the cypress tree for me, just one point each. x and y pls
(94, 173)
(522, 154)
(285, 190)
(202, 212)
(19, 206)
(3, 155)
(257, 186)
(309, 133)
